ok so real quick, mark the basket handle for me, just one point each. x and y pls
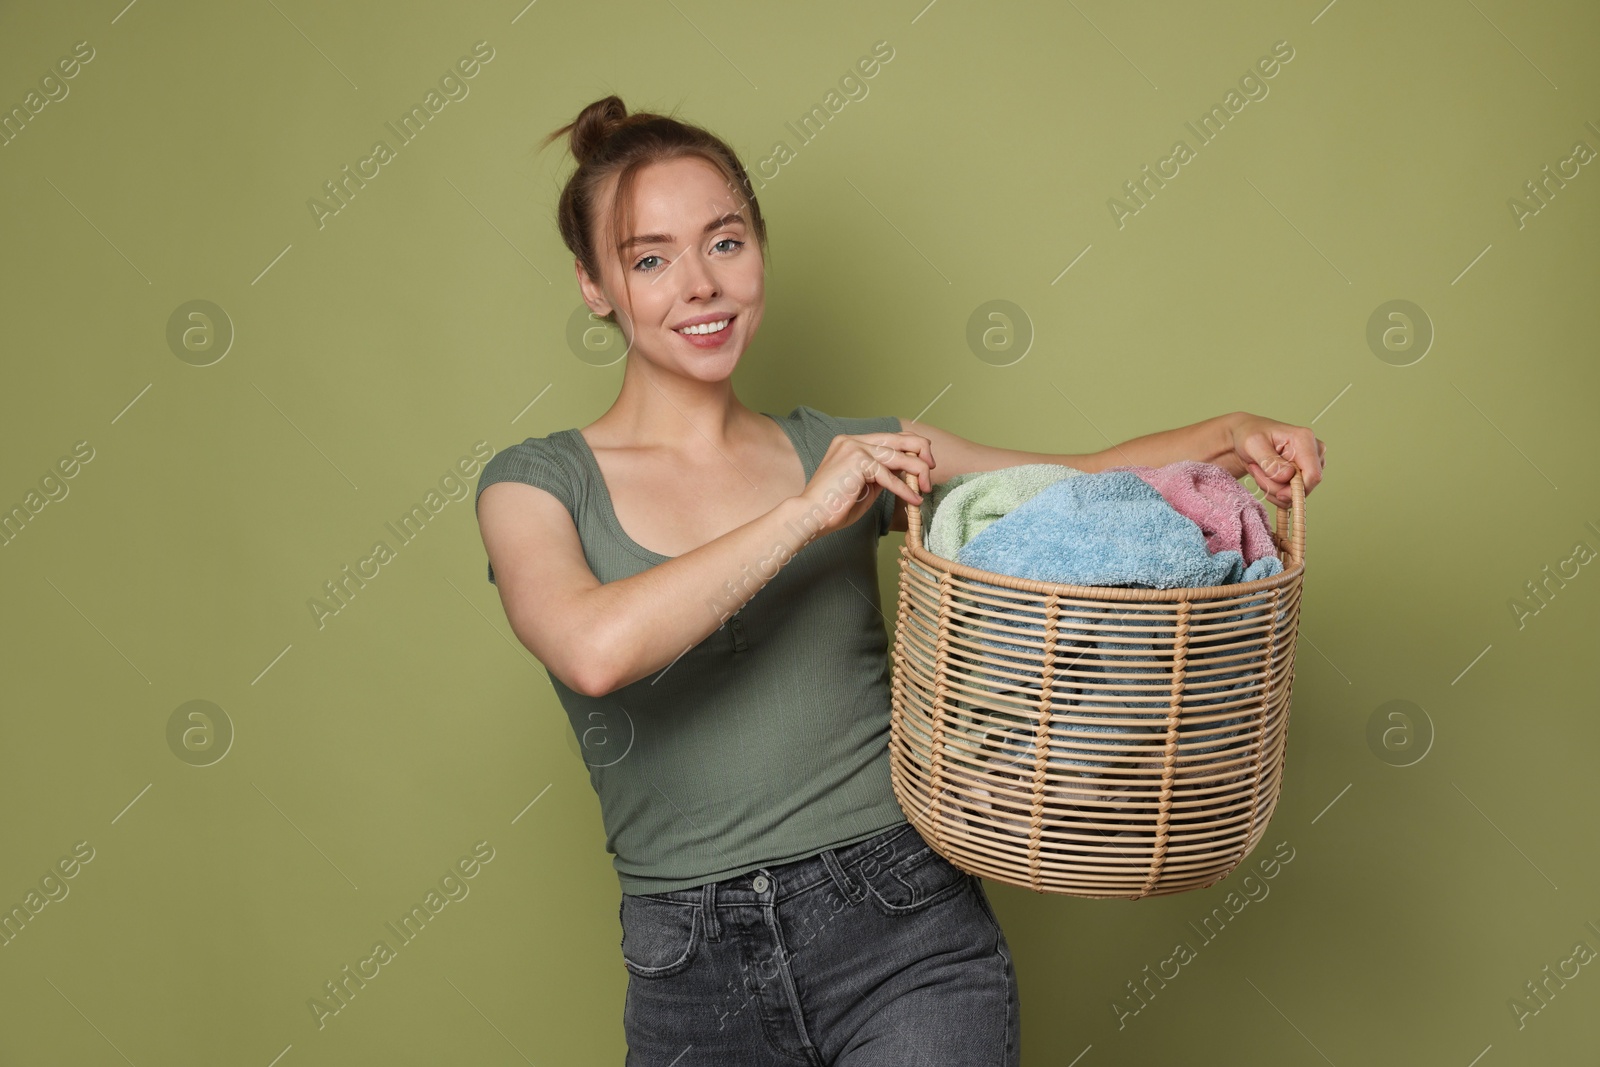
(1294, 536)
(1295, 515)
(913, 511)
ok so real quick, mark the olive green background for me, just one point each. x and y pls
(371, 353)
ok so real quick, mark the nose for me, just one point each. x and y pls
(699, 280)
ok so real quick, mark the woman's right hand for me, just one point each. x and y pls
(855, 467)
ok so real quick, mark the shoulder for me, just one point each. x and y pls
(827, 426)
(542, 462)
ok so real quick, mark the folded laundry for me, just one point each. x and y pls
(1108, 528)
(1224, 510)
(971, 502)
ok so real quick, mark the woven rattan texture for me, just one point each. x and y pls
(1095, 742)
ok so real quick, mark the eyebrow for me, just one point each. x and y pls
(666, 238)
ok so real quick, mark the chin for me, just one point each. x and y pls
(715, 368)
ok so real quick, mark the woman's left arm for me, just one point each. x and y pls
(1239, 442)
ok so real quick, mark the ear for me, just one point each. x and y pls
(592, 294)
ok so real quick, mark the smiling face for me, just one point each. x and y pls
(691, 266)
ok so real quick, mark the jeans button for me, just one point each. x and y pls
(760, 883)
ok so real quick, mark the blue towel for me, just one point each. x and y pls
(1110, 529)
(981, 501)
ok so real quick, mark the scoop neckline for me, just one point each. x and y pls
(609, 513)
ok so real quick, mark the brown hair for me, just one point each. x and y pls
(607, 141)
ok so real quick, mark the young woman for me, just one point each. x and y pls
(700, 581)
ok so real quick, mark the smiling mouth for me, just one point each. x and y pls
(707, 328)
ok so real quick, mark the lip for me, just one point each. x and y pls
(699, 320)
(709, 341)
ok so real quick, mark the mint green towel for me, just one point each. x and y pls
(970, 502)
(936, 496)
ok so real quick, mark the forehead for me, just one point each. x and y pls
(678, 196)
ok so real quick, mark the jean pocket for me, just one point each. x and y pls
(659, 937)
(910, 877)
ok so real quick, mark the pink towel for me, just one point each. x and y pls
(1223, 509)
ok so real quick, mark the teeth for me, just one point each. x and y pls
(707, 327)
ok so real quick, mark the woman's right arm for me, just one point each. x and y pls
(598, 637)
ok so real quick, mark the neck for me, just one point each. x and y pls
(657, 409)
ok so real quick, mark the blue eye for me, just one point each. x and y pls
(735, 242)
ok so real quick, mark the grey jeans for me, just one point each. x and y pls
(875, 953)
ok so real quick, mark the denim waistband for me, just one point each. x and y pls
(780, 881)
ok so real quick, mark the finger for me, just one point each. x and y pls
(854, 505)
(1304, 452)
(913, 443)
(1262, 451)
(903, 460)
(1279, 497)
(918, 444)
(1279, 455)
(923, 449)
(1273, 482)
(1279, 492)
(877, 474)
(1270, 489)
(1321, 465)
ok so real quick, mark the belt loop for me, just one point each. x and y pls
(852, 892)
(708, 911)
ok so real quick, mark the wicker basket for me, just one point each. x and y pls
(1102, 742)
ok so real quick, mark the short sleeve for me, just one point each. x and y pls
(883, 507)
(533, 462)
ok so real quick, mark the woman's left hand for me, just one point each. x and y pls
(1270, 452)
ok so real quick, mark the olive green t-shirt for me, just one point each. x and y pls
(768, 741)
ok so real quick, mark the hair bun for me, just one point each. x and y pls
(595, 124)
